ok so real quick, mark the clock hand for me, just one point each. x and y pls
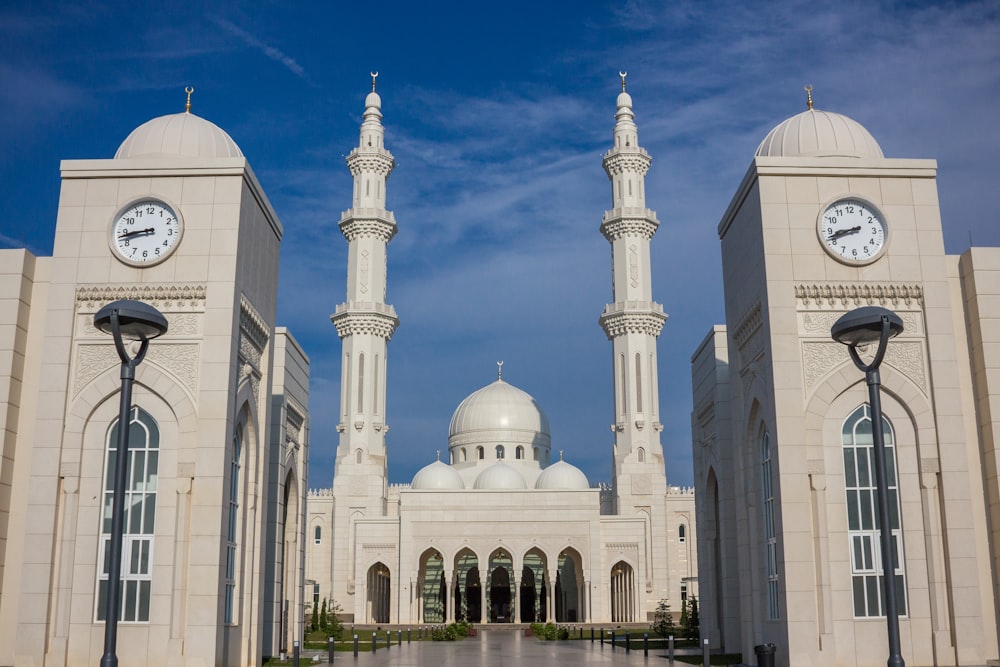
(843, 232)
(136, 232)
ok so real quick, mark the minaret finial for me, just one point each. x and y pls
(809, 96)
(374, 76)
(188, 90)
(560, 455)
(623, 74)
(439, 454)
(499, 370)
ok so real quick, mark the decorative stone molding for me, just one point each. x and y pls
(852, 295)
(253, 324)
(819, 322)
(634, 160)
(370, 161)
(632, 317)
(358, 425)
(749, 325)
(621, 547)
(819, 358)
(164, 297)
(353, 322)
(379, 225)
(639, 424)
(618, 224)
(181, 360)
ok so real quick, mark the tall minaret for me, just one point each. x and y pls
(365, 322)
(634, 320)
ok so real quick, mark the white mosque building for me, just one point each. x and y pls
(502, 531)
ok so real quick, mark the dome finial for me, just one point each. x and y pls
(623, 75)
(560, 455)
(499, 370)
(374, 76)
(439, 454)
(188, 90)
(809, 96)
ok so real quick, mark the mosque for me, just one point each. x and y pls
(501, 531)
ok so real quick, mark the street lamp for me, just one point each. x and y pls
(132, 321)
(864, 326)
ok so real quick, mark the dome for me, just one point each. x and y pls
(437, 475)
(373, 100)
(624, 99)
(500, 476)
(562, 475)
(815, 133)
(499, 413)
(178, 135)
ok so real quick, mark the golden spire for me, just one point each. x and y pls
(188, 90)
(623, 75)
(809, 96)
(374, 76)
(499, 370)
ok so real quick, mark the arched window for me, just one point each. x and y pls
(500, 451)
(640, 455)
(357, 455)
(317, 535)
(464, 455)
(140, 515)
(519, 452)
(233, 527)
(770, 535)
(681, 533)
(480, 452)
(534, 454)
(862, 520)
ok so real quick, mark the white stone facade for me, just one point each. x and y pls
(499, 532)
(779, 422)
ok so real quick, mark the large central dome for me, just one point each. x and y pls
(499, 414)
(179, 135)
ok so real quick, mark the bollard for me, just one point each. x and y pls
(407, 635)
(628, 641)
(602, 637)
(374, 642)
(580, 635)
(704, 653)
(388, 639)
(670, 648)
(355, 646)
(612, 640)
(591, 634)
(645, 644)
(399, 637)
(295, 653)
(329, 649)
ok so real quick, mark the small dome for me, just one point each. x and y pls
(500, 476)
(624, 99)
(178, 135)
(373, 100)
(562, 475)
(815, 133)
(437, 475)
(499, 413)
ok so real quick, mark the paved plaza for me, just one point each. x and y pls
(498, 648)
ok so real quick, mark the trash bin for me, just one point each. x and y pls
(765, 655)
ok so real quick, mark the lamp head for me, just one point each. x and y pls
(862, 326)
(136, 320)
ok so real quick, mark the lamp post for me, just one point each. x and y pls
(865, 326)
(126, 321)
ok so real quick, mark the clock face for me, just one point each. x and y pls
(852, 231)
(146, 233)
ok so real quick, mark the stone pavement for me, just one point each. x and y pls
(498, 648)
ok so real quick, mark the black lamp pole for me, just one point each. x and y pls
(864, 326)
(132, 320)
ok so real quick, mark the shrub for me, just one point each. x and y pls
(549, 632)
(663, 621)
(563, 633)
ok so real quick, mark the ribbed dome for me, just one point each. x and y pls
(373, 100)
(437, 475)
(624, 99)
(562, 475)
(178, 135)
(499, 413)
(816, 133)
(500, 476)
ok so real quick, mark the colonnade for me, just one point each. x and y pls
(622, 593)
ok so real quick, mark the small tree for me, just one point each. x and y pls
(685, 619)
(663, 620)
(334, 626)
(313, 617)
(323, 619)
(694, 619)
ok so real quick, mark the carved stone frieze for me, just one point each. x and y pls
(621, 546)
(620, 322)
(181, 360)
(749, 325)
(853, 295)
(369, 161)
(350, 323)
(252, 324)
(166, 298)
(819, 358)
(819, 322)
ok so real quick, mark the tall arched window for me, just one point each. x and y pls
(519, 452)
(770, 535)
(681, 533)
(480, 452)
(232, 527)
(862, 515)
(140, 514)
(500, 451)
(318, 535)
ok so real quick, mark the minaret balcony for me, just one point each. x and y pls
(629, 221)
(362, 222)
(365, 318)
(625, 317)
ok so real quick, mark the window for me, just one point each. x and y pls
(481, 452)
(770, 536)
(317, 535)
(862, 514)
(140, 514)
(684, 593)
(500, 451)
(681, 533)
(519, 453)
(232, 530)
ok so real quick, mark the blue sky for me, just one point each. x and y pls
(498, 114)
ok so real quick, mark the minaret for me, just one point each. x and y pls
(365, 322)
(633, 322)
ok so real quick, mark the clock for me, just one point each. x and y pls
(852, 231)
(145, 233)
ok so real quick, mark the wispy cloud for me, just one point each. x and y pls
(271, 52)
